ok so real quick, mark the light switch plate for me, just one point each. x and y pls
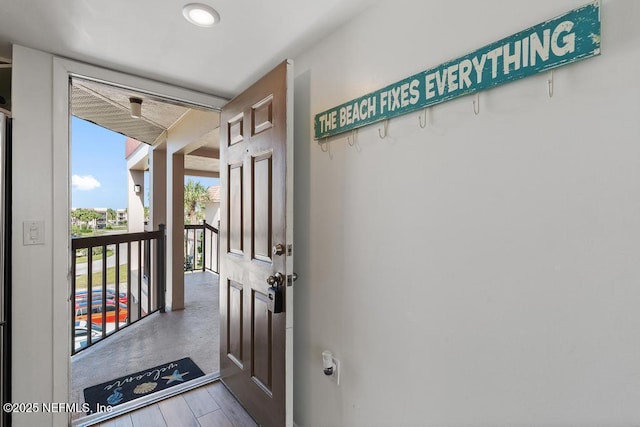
(33, 232)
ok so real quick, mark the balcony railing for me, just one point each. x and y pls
(124, 284)
(201, 243)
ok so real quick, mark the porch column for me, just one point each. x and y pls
(135, 224)
(158, 187)
(175, 231)
(157, 204)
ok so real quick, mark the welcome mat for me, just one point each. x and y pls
(143, 383)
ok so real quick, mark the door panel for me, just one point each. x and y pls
(262, 341)
(235, 209)
(235, 129)
(256, 347)
(262, 207)
(234, 322)
(262, 115)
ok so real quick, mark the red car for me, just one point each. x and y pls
(96, 312)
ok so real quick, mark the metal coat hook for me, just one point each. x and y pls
(385, 126)
(476, 104)
(324, 145)
(550, 83)
(423, 124)
(352, 140)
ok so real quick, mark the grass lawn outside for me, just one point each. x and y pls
(81, 259)
(81, 281)
(90, 233)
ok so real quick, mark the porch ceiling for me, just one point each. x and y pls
(108, 106)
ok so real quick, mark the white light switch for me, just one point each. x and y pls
(33, 232)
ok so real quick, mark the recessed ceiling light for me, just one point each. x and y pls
(200, 14)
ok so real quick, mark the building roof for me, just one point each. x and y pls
(214, 193)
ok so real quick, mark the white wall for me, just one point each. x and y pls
(503, 290)
(483, 271)
(34, 378)
(41, 184)
(212, 213)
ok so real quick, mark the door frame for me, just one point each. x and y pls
(63, 70)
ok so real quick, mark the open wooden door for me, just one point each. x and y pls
(256, 298)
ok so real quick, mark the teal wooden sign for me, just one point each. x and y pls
(559, 41)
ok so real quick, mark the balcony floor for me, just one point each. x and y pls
(157, 339)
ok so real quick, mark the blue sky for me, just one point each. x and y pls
(99, 169)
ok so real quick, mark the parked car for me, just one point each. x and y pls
(122, 296)
(96, 299)
(81, 332)
(97, 294)
(96, 312)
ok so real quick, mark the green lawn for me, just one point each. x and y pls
(81, 281)
(81, 259)
(88, 233)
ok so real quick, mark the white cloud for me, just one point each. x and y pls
(84, 183)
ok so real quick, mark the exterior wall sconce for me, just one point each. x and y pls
(137, 188)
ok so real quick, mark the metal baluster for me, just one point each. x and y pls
(218, 248)
(129, 294)
(161, 268)
(117, 286)
(149, 274)
(73, 301)
(89, 292)
(204, 244)
(139, 280)
(151, 286)
(193, 258)
(104, 291)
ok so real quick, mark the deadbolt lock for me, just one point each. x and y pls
(278, 249)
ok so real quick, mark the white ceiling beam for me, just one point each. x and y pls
(210, 153)
(206, 174)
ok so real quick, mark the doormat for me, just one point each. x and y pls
(143, 383)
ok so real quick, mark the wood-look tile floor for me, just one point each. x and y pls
(208, 406)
